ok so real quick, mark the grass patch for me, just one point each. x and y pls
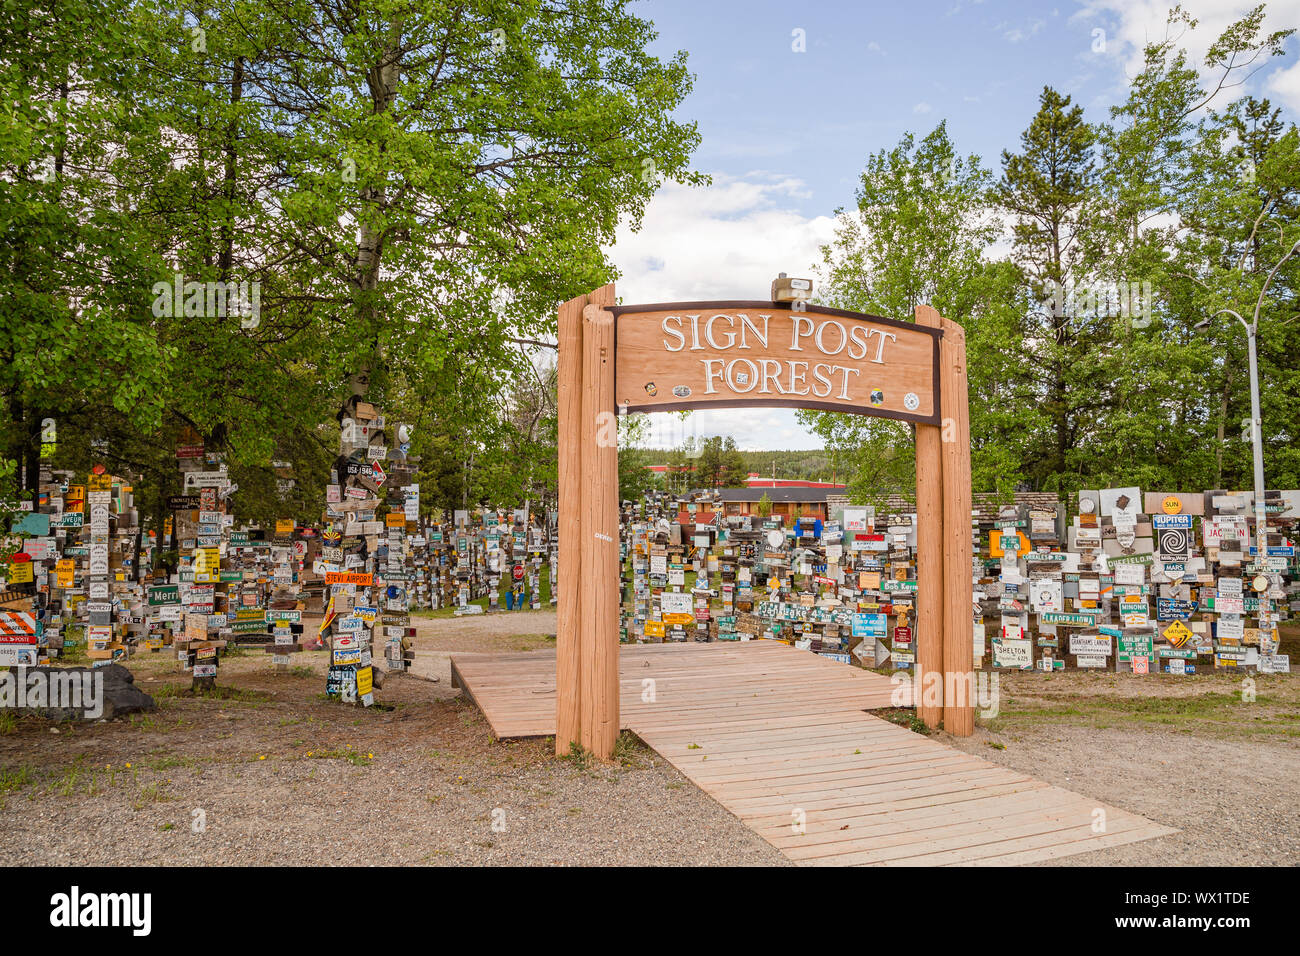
(582, 758)
(544, 586)
(347, 753)
(15, 778)
(1216, 712)
(170, 762)
(219, 692)
(903, 717)
(151, 794)
(8, 721)
(629, 751)
(79, 776)
(73, 653)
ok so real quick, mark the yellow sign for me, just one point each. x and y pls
(20, 572)
(283, 526)
(395, 519)
(207, 562)
(100, 482)
(365, 681)
(1172, 505)
(654, 628)
(1177, 634)
(65, 572)
(679, 619)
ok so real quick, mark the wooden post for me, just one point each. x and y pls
(568, 606)
(570, 596)
(600, 536)
(930, 564)
(958, 703)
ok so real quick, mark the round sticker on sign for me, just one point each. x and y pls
(1172, 505)
(775, 539)
(1260, 583)
(911, 401)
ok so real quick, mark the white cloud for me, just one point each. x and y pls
(922, 108)
(1285, 86)
(1017, 35)
(1131, 24)
(874, 47)
(725, 241)
(755, 429)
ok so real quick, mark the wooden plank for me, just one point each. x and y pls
(600, 537)
(568, 608)
(740, 722)
(958, 631)
(930, 564)
(724, 354)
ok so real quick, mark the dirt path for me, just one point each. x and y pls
(1192, 753)
(277, 775)
(281, 775)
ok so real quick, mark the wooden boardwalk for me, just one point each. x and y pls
(780, 738)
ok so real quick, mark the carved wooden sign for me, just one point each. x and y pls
(670, 357)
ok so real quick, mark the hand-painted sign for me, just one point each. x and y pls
(728, 354)
(344, 577)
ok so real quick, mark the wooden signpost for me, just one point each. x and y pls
(678, 356)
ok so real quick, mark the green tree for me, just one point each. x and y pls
(1198, 199)
(1045, 189)
(917, 236)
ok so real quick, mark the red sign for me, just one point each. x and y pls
(902, 635)
(346, 577)
(17, 627)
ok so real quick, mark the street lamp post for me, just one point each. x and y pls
(1257, 425)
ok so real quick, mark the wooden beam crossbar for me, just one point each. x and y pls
(587, 698)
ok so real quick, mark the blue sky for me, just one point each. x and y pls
(786, 133)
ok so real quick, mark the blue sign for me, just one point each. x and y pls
(869, 625)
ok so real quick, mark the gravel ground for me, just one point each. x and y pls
(1226, 774)
(282, 776)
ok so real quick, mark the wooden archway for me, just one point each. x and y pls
(675, 356)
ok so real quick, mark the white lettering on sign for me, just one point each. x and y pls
(830, 337)
(720, 354)
(764, 377)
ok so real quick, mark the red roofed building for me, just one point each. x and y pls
(758, 481)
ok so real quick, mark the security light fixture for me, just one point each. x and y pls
(785, 289)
